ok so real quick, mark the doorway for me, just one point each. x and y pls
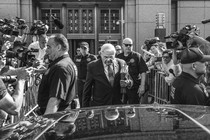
(74, 44)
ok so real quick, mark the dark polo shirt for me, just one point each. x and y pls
(58, 81)
(187, 90)
(136, 66)
(81, 63)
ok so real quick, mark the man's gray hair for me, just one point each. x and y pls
(107, 47)
(62, 40)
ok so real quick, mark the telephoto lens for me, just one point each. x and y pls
(8, 79)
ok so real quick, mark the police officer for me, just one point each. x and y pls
(81, 62)
(137, 70)
(187, 88)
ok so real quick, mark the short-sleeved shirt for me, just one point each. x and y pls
(58, 81)
(81, 63)
(136, 66)
(186, 89)
(3, 89)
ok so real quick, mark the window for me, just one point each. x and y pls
(73, 21)
(115, 16)
(47, 19)
(104, 21)
(80, 21)
(87, 21)
(109, 19)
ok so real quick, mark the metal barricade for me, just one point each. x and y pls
(159, 90)
(30, 99)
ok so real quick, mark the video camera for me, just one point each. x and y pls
(10, 27)
(27, 58)
(182, 36)
(8, 79)
(38, 28)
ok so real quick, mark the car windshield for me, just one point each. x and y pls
(153, 121)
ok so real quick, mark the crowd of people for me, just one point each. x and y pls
(116, 76)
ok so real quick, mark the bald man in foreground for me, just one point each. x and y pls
(102, 87)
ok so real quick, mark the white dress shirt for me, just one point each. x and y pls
(116, 68)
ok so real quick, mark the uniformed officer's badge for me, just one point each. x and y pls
(132, 60)
(78, 60)
(88, 59)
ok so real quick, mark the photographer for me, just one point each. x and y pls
(151, 64)
(171, 70)
(187, 88)
(12, 103)
(41, 46)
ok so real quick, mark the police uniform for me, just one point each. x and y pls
(186, 89)
(81, 63)
(136, 66)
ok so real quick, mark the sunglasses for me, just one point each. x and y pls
(128, 45)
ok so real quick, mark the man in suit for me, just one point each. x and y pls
(103, 82)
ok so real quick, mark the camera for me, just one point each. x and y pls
(158, 59)
(27, 58)
(10, 27)
(18, 47)
(21, 23)
(8, 79)
(175, 37)
(8, 30)
(38, 28)
(178, 40)
(182, 36)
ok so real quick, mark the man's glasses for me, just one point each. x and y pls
(128, 45)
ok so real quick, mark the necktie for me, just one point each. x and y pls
(111, 74)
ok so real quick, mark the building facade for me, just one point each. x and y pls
(99, 21)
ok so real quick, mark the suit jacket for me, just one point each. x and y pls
(97, 89)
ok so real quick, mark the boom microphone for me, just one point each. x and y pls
(57, 22)
(205, 21)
